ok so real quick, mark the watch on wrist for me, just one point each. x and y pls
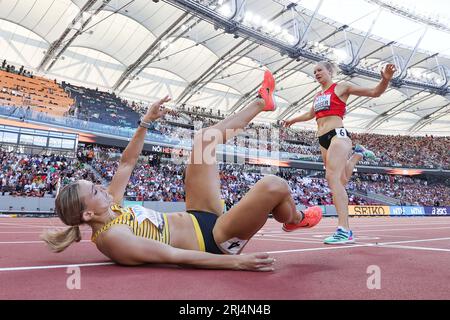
(148, 125)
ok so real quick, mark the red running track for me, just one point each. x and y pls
(412, 254)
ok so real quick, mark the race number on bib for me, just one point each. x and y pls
(322, 103)
(153, 216)
(341, 133)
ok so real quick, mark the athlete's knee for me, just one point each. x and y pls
(332, 174)
(333, 177)
(275, 185)
(203, 147)
(207, 136)
(344, 178)
(199, 136)
(204, 138)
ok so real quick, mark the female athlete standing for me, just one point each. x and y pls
(329, 109)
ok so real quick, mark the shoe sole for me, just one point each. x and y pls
(271, 84)
(340, 243)
(272, 103)
(303, 227)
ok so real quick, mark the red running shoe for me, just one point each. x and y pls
(266, 91)
(311, 217)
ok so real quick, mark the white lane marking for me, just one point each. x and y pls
(268, 228)
(356, 231)
(288, 240)
(360, 237)
(384, 245)
(35, 232)
(417, 248)
(30, 242)
(372, 245)
(26, 225)
(272, 225)
(413, 241)
(323, 248)
(56, 266)
(285, 237)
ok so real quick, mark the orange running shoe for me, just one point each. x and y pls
(266, 91)
(311, 217)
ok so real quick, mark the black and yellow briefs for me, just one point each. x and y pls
(205, 222)
(154, 225)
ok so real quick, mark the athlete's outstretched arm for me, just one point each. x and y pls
(386, 76)
(123, 247)
(131, 153)
(304, 117)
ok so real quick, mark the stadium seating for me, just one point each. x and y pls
(102, 107)
(38, 93)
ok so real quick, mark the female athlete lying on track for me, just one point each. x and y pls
(202, 237)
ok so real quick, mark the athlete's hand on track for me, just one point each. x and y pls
(255, 262)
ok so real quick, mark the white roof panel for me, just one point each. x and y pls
(188, 50)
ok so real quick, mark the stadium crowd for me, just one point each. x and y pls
(399, 151)
(38, 176)
(156, 180)
(408, 190)
(34, 175)
(166, 183)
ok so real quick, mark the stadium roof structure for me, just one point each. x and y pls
(213, 53)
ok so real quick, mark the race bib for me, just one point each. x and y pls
(322, 103)
(155, 217)
(233, 246)
(341, 133)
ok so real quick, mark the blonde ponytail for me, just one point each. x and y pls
(69, 208)
(58, 240)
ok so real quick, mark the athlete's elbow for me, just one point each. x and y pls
(128, 161)
(136, 260)
(375, 94)
(128, 263)
(125, 260)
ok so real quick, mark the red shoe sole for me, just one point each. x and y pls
(268, 83)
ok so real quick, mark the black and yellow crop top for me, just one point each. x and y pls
(144, 222)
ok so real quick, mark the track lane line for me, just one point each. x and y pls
(32, 242)
(416, 248)
(56, 266)
(381, 245)
(413, 241)
(356, 230)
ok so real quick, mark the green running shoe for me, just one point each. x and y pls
(365, 153)
(341, 236)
